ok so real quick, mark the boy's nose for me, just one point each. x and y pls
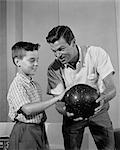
(36, 63)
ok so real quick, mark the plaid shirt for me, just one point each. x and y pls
(23, 91)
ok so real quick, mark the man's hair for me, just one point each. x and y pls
(60, 32)
(18, 49)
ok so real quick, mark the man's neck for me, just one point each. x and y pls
(76, 58)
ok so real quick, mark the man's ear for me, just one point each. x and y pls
(17, 62)
(73, 42)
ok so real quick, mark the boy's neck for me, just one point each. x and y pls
(27, 75)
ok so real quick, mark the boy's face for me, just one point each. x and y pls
(29, 63)
(63, 51)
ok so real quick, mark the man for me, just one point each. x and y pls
(87, 65)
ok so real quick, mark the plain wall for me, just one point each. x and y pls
(3, 61)
(117, 7)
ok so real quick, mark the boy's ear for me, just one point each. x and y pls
(17, 62)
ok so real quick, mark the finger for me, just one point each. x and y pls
(97, 111)
(70, 114)
(77, 119)
(99, 99)
(64, 108)
(98, 108)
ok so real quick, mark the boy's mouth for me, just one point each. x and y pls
(34, 69)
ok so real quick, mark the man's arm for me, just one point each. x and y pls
(108, 94)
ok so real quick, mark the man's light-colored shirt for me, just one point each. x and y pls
(96, 65)
(23, 91)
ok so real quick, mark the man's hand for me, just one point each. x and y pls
(78, 119)
(71, 115)
(101, 101)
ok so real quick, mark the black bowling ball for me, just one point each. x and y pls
(80, 100)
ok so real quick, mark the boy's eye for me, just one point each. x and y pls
(32, 60)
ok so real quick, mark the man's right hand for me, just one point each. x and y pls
(61, 108)
(71, 115)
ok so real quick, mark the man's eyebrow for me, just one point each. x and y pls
(52, 49)
(58, 48)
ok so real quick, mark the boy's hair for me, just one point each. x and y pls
(60, 32)
(18, 49)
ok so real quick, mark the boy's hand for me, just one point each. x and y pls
(61, 96)
(63, 93)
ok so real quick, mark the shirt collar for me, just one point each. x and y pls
(79, 60)
(26, 78)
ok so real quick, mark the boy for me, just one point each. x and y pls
(25, 102)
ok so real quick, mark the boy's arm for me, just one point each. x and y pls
(37, 107)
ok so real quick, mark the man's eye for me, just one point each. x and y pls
(58, 50)
(54, 51)
(61, 49)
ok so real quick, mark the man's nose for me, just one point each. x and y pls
(58, 54)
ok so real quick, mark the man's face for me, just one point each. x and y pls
(29, 63)
(64, 52)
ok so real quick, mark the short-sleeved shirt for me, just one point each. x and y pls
(23, 91)
(93, 66)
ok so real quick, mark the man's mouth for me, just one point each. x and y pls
(62, 59)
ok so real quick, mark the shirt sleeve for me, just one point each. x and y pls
(103, 62)
(18, 96)
(39, 89)
(55, 82)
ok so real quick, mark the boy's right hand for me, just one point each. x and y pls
(61, 96)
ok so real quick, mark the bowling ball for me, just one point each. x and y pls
(80, 100)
